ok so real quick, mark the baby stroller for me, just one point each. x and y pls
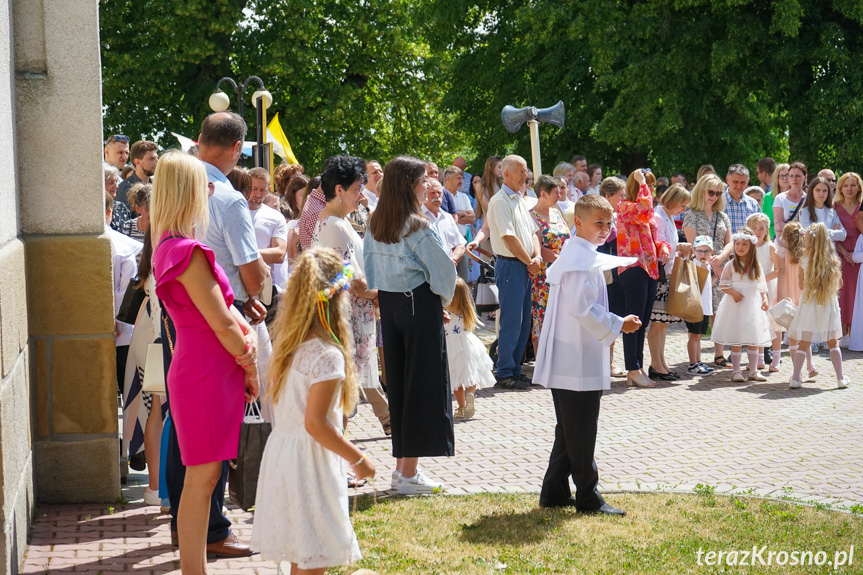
(486, 300)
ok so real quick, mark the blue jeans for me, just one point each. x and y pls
(513, 286)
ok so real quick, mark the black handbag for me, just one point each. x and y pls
(132, 300)
(244, 471)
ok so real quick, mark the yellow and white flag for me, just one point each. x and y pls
(277, 137)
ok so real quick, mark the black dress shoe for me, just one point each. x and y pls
(552, 504)
(605, 509)
(653, 374)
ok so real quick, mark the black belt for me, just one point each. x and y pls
(508, 258)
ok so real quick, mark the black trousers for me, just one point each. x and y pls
(577, 413)
(417, 373)
(639, 293)
(175, 472)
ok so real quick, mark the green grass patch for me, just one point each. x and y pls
(662, 533)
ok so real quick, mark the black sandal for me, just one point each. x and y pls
(721, 361)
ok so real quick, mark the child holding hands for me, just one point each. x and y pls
(301, 513)
(741, 319)
(577, 332)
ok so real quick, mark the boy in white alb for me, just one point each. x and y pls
(573, 356)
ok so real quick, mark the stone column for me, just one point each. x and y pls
(69, 283)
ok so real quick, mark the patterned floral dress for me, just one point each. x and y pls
(554, 233)
(337, 233)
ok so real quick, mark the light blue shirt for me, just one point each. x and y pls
(416, 259)
(231, 234)
(826, 216)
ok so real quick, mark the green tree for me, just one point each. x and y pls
(161, 60)
(670, 83)
(346, 77)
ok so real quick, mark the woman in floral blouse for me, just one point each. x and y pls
(552, 233)
(638, 236)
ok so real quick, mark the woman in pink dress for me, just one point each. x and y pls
(849, 190)
(214, 354)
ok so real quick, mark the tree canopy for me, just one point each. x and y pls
(667, 83)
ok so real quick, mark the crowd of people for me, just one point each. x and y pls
(302, 294)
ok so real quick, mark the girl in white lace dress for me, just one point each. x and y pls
(769, 261)
(818, 317)
(470, 367)
(301, 511)
(741, 319)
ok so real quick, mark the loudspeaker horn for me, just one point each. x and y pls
(513, 118)
(553, 115)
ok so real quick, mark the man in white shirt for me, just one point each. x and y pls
(581, 181)
(373, 169)
(512, 232)
(464, 215)
(461, 164)
(445, 227)
(271, 229)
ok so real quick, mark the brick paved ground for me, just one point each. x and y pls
(758, 436)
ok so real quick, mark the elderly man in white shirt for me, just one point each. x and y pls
(445, 226)
(376, 174)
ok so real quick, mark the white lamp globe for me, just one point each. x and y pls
(268, 98)
(219, 101)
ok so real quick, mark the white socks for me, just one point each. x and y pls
(735, 361)
(755, 359)
(836, 360)
(798, 358)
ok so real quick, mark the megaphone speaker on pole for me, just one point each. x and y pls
(513, 118)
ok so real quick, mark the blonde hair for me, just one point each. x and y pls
(822, 277)
(777, 189)
(297, 319)
(675, 196)
(462, 304)
(759, 218)
(846, 176)
(748, 264)
(705, 183)
(793, 240)
(178, 202)
(562, 169)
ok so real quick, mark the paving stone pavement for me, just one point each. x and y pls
(757, 437)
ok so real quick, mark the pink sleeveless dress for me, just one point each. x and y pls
(205, 384)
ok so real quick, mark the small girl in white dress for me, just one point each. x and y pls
(470, 367)
(741, 319)
(301, 511)
(818, 317)
(769, 261)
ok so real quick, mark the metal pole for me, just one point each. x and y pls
(533, 125)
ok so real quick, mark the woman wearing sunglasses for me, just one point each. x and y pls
(706, 217)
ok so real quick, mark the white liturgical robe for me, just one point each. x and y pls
(578, 329)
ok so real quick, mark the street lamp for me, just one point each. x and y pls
(219, 102)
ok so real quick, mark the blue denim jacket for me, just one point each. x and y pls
(403, 266)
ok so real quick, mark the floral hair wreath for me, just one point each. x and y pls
(742, 236)
(338, 283)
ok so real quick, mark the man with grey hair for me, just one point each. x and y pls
(581, 182)
(512, 231)
(828, 175)
(443, 224)
(738, 206)
(453, 180)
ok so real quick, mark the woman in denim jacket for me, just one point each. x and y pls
(406, 262)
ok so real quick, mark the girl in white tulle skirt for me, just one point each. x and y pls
(818, 317)
(470, 367)
(741, 319)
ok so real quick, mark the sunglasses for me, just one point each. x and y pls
(714, 194)
(118, 138)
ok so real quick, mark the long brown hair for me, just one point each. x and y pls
(491, 184)
(791, 236)
(748, 264)
(810, 197)
(297, 319)
(398, 204)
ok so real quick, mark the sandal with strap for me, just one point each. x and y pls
(721, 361)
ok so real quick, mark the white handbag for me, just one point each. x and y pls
(783, 312)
